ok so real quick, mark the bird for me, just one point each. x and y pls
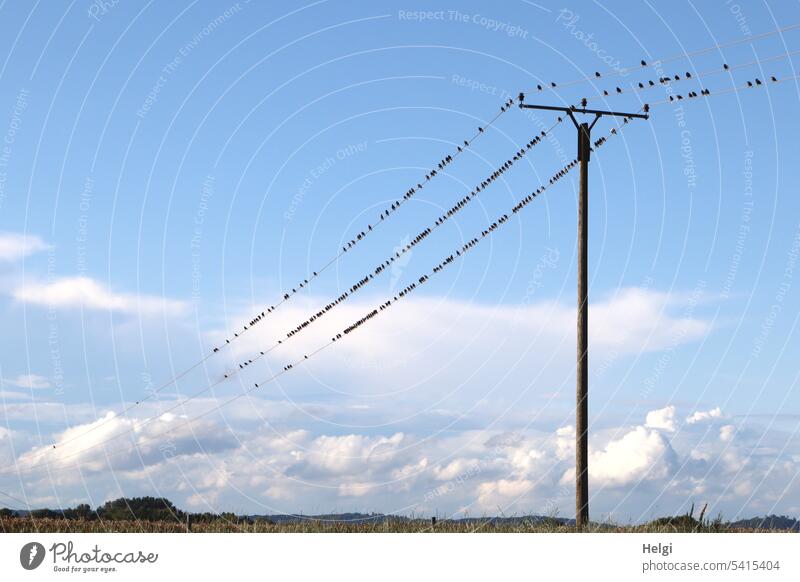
(749, 84)
(619, 90)
(725, 66)
(758, 81)
(773, 79)
(644, 64)
(597, 74)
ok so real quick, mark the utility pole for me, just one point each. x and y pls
(582, 373)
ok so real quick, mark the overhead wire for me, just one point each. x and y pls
(346, 331)
(461, 147)
(645, 63)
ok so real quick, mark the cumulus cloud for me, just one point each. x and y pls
(206, 465)
(117, 443)
(663, 418)
(640, 454)
(17, 246)
(703, 415)
(90, 294)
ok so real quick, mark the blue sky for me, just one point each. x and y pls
(169, 170)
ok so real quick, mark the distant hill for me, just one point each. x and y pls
(379, 517)
(153, 509)
(780, 522)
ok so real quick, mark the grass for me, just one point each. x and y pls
(50, 525)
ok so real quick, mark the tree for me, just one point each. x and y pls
(143, 508)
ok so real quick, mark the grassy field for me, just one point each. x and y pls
(49, 525)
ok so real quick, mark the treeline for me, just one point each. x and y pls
(125, 509)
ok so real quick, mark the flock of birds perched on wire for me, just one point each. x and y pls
(398, 253)
(457, 207)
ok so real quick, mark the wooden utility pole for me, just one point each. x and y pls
(582, 371)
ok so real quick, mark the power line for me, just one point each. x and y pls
(669, 80)
(460, 205)
(17, 499)
(419, 238)
(359, 237)
(755, 83)
(346, 331)
(447, 160)
(643, 64)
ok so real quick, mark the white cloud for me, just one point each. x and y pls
(498, 494)
(17, 246)
(640, 454)
(422, 337)
(123, 443)
(217, 464)
(663, 419)
(726, 432)
(30, 381)
(702, 415)
(86, 292)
